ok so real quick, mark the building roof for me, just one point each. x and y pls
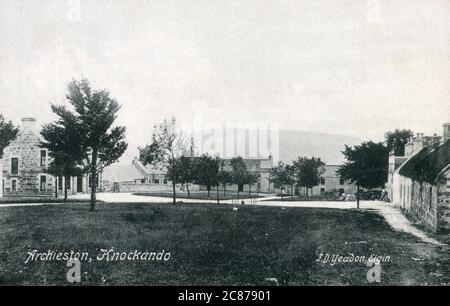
(428, 163)
(122, 173)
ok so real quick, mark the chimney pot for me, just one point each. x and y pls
(29, 123)
(446, 134)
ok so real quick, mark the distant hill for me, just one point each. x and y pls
(294, 144)
(326, 146)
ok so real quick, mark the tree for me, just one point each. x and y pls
(251, 179)
(207, 171)
(225, 177)
(166, 147)
(63, 140)
(185, 172)
(279, 176)
(308, 172)
(95, 112)
(397, 140)
(366, 166)
(290, 177)
(239, 173)
(8, 132)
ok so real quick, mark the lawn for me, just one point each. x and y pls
(212, 245)
(201, 195)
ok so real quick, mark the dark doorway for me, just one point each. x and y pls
(79, 184)
(240, 187)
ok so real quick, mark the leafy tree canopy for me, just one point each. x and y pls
(366, 165)
(308, 171)
(397, 140)
(8, 132)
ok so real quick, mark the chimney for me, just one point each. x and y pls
(446, 134)
(29, 124)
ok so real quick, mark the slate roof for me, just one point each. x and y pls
(428, 163)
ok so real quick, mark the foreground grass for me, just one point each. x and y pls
(212, 245)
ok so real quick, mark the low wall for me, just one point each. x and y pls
(146, 187)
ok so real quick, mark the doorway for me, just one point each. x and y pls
(79, 184)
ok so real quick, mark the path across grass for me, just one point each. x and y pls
(202, 195)
(212, 245)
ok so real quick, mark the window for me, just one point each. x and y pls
(43, 182)
(165, 181)
(322, 181)
(68, 184)
(156, 181)
(3, 185)
(14, 185)
(14, 165)
(43, 157)
(322, 191)
(60, 183)
(341, 181)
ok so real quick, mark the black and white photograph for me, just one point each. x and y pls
(241, 144)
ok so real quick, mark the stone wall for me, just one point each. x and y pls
(443, 206)
(423, 204)
(428, 203)
(145, 187)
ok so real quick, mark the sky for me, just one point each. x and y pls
(350, 67)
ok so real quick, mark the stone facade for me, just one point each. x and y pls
(150, 187)
(428, 200)
(331, 181)
(24, 166)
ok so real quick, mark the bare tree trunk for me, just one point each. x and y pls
(187, 187)
(66, 181)
(174, 195)
(281, 189)
(93, 179)
(56, 187)
(357, 196)
(209, 189)
(218, 195)
(250, 189)
(224, 189)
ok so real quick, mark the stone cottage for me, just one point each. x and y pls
(331, 181)
(421, 185)
(24, 166)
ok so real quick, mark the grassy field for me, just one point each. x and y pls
(200, 195)
(212, 245)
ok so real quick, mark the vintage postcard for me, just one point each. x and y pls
(220, 143)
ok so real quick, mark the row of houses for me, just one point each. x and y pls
(24, 164)
(419, 181)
